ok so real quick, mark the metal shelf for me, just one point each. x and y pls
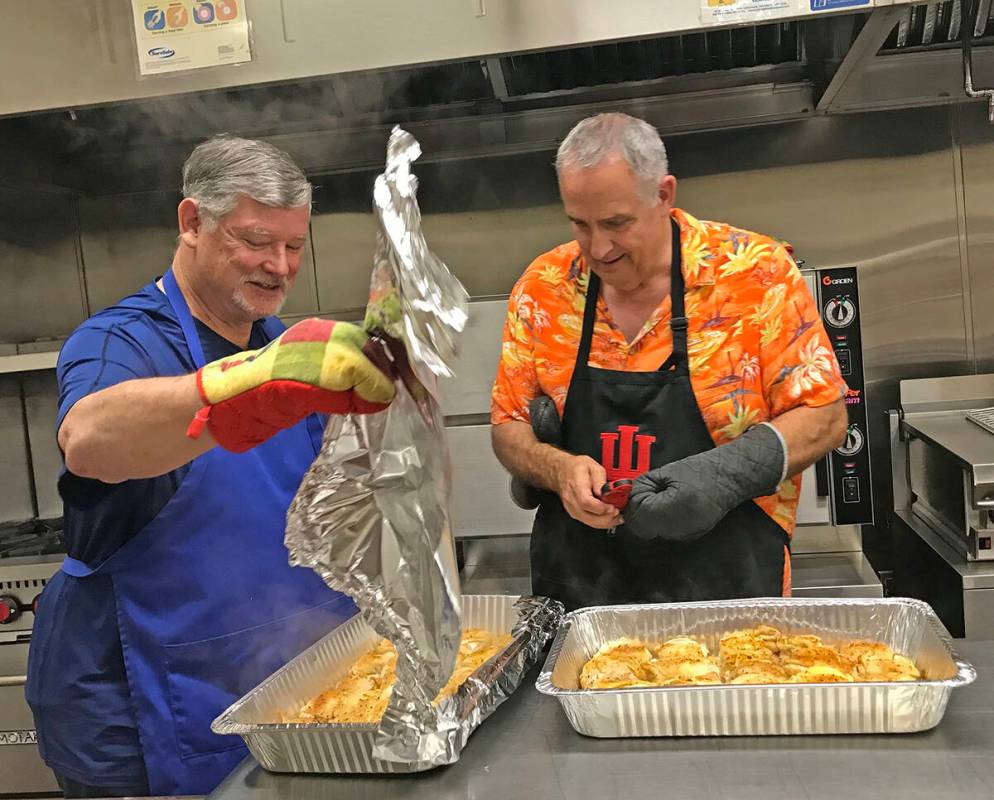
(28, 362)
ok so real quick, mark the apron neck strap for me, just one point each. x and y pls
(678, 320)
(272, 327)
(678, 316)
(589, 317)
(182, 311)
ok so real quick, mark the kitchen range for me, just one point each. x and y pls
(30, 552)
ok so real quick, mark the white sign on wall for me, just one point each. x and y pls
(723, 12)
(177, 36)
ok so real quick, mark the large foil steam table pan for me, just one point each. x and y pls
(908, 626)
(348, 748)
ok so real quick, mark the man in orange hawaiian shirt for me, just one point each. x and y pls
(699, 378)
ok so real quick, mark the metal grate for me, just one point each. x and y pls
(461, 82)
(649, 59)
(9, 586)
(937, 25)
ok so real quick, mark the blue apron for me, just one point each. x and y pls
(207, 605)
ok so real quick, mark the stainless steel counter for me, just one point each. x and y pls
(528, 750)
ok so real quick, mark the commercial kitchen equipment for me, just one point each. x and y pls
(30, 553)
(837, 490)
(943, 476)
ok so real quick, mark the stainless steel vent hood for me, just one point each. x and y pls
(468, 77)
(84, 54)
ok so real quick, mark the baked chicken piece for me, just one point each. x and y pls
(875, 661)
(758, 655)
(617, 665)
(363, 694)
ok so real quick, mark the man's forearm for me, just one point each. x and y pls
(525, 457)
(136, 429)
(811, 432)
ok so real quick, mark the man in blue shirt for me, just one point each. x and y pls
(176, 596)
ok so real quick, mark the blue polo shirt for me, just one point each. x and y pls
(77, 684)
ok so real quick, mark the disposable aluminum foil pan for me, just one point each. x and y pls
(348, 748)
(908, 626)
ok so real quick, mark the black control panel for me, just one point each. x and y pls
(849, 464)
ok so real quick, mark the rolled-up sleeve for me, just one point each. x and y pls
(516, 384)
(98, 355)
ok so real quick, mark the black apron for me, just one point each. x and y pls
(631, 422)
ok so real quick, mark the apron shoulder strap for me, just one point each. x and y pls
(678, 318)
(589, 317)
(185, 318)
(272, 327)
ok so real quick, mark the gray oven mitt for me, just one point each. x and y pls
(685, 499)
(548, 430)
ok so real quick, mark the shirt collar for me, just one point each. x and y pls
(698, 256)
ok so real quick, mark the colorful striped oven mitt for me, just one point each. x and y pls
(317, 366)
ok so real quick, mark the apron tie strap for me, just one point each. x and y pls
(75, 568)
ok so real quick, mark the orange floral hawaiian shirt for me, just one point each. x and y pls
(756, 343)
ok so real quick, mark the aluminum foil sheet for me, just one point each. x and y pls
(339, 748)
(371, 515)
(413, 296)
(907, 626)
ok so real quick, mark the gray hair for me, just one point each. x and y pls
(635, 141)
(226, 167)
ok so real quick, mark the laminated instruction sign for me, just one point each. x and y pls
(721, 12)
(177, 36)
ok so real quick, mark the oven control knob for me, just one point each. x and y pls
(853, 443)
(839, 312)
(10, 609)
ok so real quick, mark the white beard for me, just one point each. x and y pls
(239, 300)
(242, 303)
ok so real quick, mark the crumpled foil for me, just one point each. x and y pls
(348, 747)
(461, 714)
(371, 514)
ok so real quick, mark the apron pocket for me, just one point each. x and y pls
(204, 677)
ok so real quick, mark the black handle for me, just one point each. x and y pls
(821, 476)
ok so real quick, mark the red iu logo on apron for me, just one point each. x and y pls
(624, 466)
